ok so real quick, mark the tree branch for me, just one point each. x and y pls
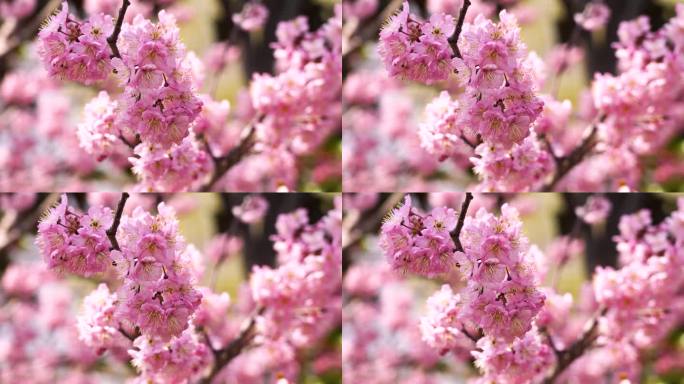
(566, 163)
(225, 163)
(461, 220)
(225, 355)
(459, 27)
(129, 336)
(567, 356)
(111, 232)
(112, 39)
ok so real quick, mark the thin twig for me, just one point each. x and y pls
(566, 163)
(112, 39)
(567, 356)
(455, 235)
(459, 27)
(129, 336)
(225, 355)
(111, 232)
(468, 142)
(225, 163)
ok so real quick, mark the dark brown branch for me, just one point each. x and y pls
(111, 232)
(459, 27)
(468, 142)
(129, 336)
(567, 356)
(455, 235)
(566, 163)
(474, 338)
(112, 39)
(225, 163)
(225, 355)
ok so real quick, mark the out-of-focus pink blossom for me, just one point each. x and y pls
(594, 16)
(252, 209)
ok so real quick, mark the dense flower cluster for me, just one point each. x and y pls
(643, 296)
(418, 50)
(76, 243)
(156, 297)
(492, 112)
(97, 133)
(76, 50)
(526, 360)
(440, 327)
(419, 243)
(494, 116)
(300, 297)
(525, 167)
(182, 167)
(501, 318)
(499, 102)
(501, 297)
(638, 103)
(301, 102)
(497, 307)
(158, 102)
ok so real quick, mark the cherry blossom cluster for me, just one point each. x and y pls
(418, 50)
(501, 297)
(76, 243)
(526, 360)
(301, 295)
(151, 119)
(638, 103)
(495, 113)
(499, 103)
(492, 118)
(156, 296)
(419, 243)
(149, 310)
(643, 297)
(76, 50)
(301, 102)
